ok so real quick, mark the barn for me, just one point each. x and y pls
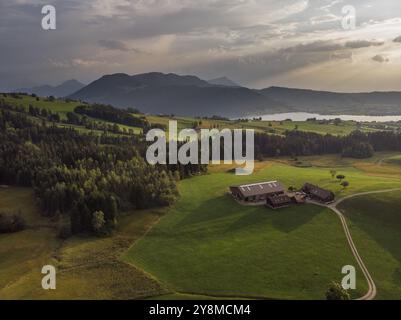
(257, 192)
(317, 193)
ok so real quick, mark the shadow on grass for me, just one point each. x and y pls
(380, 218)
(291, 218)
(213, 209)
(244, 217)
(253, 217)
(397, 276)
(285, 219)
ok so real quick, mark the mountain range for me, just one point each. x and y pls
(159, 93)
(59, 91)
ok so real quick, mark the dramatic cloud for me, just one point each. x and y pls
(255, 42)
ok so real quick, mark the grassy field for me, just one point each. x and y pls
(87, 267)
(208, 244)
(269, 127)
(57, 105)
(375, 224)
(62, 107)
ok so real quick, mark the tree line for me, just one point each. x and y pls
(111, 114)
(299, 143)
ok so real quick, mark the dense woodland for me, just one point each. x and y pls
(83, 174)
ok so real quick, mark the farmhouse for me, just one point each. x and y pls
(257, 192)
(318, 193)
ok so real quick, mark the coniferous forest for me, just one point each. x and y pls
(79, 174)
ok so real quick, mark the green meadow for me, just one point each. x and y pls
(87, 267)
(57, 105)
(209, 244)
(375, 224)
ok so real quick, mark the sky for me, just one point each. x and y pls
(256, 43)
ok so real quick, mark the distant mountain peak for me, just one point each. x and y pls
(65, 89)
(223, 81)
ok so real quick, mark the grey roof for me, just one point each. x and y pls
(317, 191)
(255, 189)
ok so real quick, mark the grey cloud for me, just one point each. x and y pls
(344, 55)
(116, 45)
(398, 39)
(113, 45)
(357, 44)
(380, 58)
(316, 46)
(331, 45)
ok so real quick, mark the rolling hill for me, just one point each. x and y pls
(159, 93)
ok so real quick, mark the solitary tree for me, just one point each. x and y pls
(345, 184)
(340, 177)
(333, 173)
(336, 292)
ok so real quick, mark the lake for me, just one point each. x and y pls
(303, 116)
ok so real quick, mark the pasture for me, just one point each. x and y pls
(375, 224)
(209, 244)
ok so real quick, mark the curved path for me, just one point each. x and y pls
(371, 294)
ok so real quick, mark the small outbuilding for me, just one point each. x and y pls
(278, 201)
(317, 193)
